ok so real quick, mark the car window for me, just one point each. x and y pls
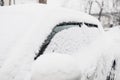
(59, 28)
(55, 30)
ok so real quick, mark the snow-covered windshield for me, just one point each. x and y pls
(60, 27)
(55, 30)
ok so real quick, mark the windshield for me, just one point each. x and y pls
(59, 28)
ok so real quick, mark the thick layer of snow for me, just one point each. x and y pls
(38, 21)
(23, 30)
(79, 37)
(56, 67)
(101, 54)
(95, 61)
(13, 26)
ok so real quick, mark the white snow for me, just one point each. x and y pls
(23, 30)
(94, 61)
(79, 37)
(94, 53)
(56, 67)
(100, 55)
(70, 4)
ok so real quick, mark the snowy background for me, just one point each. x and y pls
(77, 53)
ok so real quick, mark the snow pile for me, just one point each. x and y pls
(79, 37)
(55, 67)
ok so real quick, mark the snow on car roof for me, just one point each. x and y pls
(57, 15)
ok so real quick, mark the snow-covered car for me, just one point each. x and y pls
(27, 30)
